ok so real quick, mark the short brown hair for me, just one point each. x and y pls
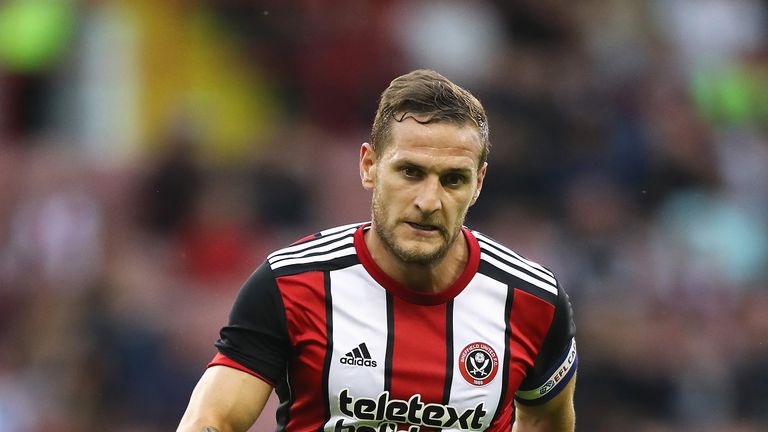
(426, 92)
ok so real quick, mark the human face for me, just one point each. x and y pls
(423, 183)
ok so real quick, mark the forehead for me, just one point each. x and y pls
(445, 141)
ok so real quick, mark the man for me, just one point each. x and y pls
(411, 322)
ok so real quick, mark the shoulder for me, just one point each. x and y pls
(502, 263)
(325, 250)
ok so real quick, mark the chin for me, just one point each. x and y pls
(420, 247)
(421, 255)
(410, 249)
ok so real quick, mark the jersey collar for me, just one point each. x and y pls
(408, 294)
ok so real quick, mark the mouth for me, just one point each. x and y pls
(423, 227)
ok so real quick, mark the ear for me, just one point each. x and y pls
(367, 165)
(479, 184)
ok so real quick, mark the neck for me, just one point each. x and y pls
(428, 278)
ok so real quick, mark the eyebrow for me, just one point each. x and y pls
(410, 163)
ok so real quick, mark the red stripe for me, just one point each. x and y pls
(221, 360)
(303, 239)
(418, 354)
(304, 299)
(504, 418)
(530, 320)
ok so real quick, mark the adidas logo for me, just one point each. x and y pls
(360, 356)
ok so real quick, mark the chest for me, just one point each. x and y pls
(453, 365)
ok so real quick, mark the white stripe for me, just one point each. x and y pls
(511, 252)
(334, 230)
(524, 276)
(519, 262)
(326, 248)
(479, 316)
(359, 315)
(310, 243)
(317, 258)
(561, 371)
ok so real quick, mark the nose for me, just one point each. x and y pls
(429, 200)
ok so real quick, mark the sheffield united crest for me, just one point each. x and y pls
(478, 363)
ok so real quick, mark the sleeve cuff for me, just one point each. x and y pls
(559, 377)
(221, 360)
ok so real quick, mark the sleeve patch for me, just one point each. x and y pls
(559, 377)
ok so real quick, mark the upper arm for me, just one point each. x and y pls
(254, 347)
(555, 415)
(256, 336)
(226, 399)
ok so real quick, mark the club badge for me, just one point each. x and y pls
(478, 363)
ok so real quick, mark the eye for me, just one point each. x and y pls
(411, 172)
(454, 179)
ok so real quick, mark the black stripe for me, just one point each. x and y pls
(390, 343)
(517, 266)
(489, 242)
(486, 245)
(338, 229)
(364, 350)
(505, 364)
(512, 281)
(323, 266)
(328, 348)
(337, 246)
(356, 352)
(448, 352)
(310, 244)
(285, 396)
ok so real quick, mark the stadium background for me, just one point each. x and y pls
(152, 152)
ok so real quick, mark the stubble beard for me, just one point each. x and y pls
(387, 236)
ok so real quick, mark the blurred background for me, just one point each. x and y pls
(152, 153)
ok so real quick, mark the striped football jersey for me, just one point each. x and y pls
(350, 349)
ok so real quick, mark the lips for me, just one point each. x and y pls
(423, 227)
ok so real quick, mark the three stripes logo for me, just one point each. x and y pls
(360, 356)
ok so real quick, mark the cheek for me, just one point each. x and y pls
(386, 199)
(461, 202)
(394, 192)
(460, 209)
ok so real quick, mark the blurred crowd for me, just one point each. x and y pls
(152, 153)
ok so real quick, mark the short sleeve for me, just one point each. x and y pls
(256, 337)
(557, 360)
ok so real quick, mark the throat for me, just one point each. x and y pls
(432, 279)
(428, 278)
